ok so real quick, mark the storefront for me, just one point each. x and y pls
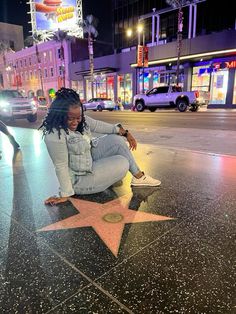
(234, 91)
(217, 77)
(78, 86)
(158, 76)
(110, 85)
(103, 86)
(124, 88)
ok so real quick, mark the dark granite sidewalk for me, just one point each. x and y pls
(155, 250)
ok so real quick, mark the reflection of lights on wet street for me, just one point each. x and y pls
(7, 149)
(37, 139)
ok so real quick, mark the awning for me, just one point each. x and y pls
(97, 71)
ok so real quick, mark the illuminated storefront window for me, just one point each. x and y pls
(110, 87)
(88, 89)
(103, 87)
(144, 80)
(156, 78)
(78, 87)
(234, 95)
(124, 88)
(201, 78)
(166, 78)
(100, 86)
(219, 85)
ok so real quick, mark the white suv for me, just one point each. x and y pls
(14, 106)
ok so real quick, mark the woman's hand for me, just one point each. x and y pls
(132, 141)
(53, 200)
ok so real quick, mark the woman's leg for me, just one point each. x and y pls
(106, 171)
(4, 129)
(111, 145)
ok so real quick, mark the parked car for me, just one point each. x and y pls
(99, 104)
(14, 106)
(170, 96)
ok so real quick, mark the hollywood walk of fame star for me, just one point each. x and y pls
(108, 220)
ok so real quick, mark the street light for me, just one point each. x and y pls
(140, 30)
(129, 32)
(9, 69)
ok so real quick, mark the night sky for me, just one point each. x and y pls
(15, 12)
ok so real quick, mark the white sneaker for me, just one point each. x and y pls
(145, 180)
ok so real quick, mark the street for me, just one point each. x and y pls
(216, 120)
(203, 131)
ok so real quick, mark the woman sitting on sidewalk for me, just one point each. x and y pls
(86, 165)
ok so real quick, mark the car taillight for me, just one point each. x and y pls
(196, 93)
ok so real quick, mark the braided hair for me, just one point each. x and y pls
(58, 111)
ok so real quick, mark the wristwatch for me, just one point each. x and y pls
(125, 134)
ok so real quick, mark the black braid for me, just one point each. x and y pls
(57, 113)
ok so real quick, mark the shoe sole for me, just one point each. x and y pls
(146, 185)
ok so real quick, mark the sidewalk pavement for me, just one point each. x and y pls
(155, 250)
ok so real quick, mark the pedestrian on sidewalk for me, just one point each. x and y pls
(119, 104)
(4, 129)
(83, 164)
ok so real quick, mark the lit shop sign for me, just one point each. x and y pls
(51, 15)
(225, 65)
(142, 56)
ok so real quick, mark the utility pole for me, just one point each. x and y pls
(179, 43)
(39, 68)
(178, 4)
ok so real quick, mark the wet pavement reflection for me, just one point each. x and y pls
(169, 249)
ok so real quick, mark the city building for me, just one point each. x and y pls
(207, 58)
(44, 68)
(37, 70)
(12, 35)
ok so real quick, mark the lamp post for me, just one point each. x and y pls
(39, 68)
(9, 69)
(140, 30)
(16, 77)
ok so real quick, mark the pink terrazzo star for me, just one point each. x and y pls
(108, 220)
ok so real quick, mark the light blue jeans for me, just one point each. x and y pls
(112, 160)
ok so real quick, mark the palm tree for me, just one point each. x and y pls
(178, 4)
(61, 36)
(89, 25)
(4, 48)
(30, 41)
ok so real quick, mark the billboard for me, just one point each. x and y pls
(51, 15)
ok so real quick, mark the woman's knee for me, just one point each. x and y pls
(115, 168)
(118, 140)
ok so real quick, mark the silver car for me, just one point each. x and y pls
(14, 106)
(99, 104)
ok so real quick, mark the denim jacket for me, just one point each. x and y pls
(71, 153)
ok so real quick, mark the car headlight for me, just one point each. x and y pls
(4, 104)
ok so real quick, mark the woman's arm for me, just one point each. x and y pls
(107, 128)
(98, 126)
(57, 149)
